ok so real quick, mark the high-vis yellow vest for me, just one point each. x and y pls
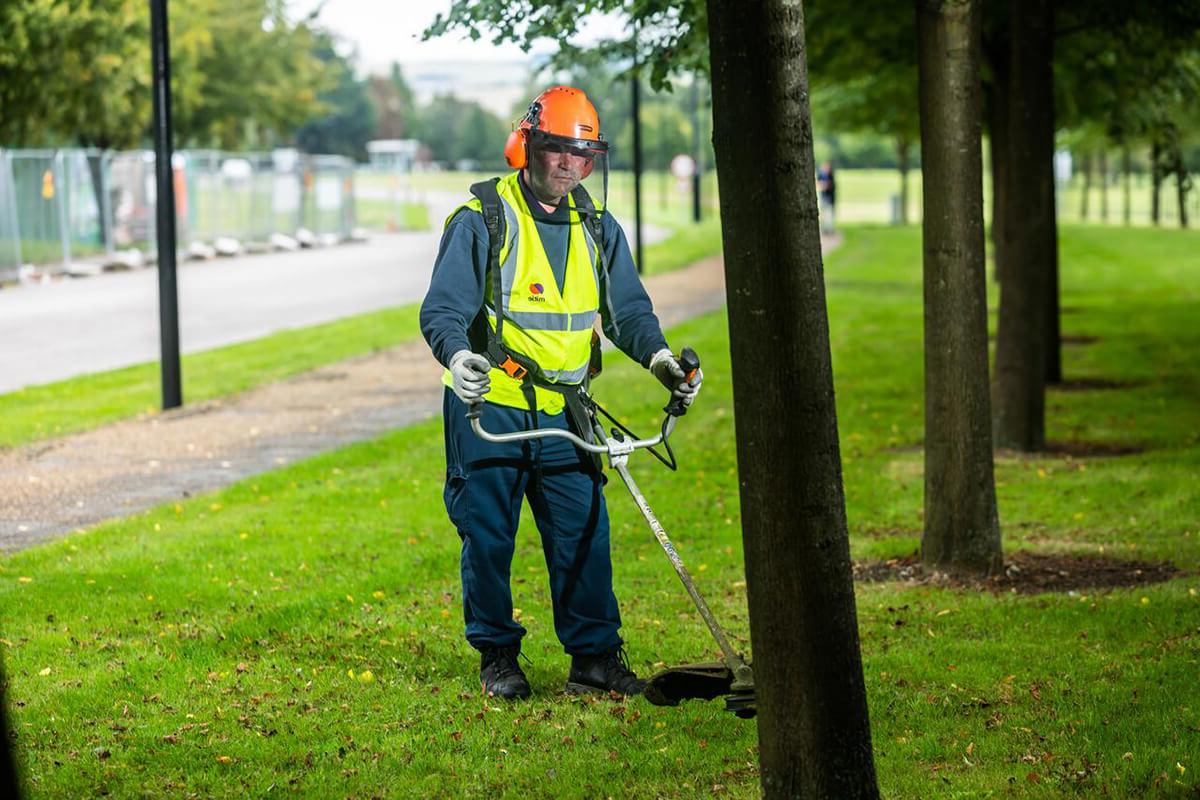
(551, 327)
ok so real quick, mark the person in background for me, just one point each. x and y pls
(827, 187)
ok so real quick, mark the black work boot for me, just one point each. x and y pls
(606, 672)
(500, 673)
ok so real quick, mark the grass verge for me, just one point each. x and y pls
(86, 402)
(301, 631)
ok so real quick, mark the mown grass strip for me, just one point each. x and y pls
(86, 402)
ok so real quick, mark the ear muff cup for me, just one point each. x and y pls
(515, 152)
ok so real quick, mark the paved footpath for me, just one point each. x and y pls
(51, 487)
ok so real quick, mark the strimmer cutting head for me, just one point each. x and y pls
(705, 682)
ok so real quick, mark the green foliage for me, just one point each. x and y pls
(351, 118)
(74, 72)
(225, 642)
(394, 105)
(672, 38)
(242, 73)
(462, 130)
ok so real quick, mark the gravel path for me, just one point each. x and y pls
(58, 485)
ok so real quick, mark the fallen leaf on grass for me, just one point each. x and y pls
(44, 672)
(224, 760)
(24, 579)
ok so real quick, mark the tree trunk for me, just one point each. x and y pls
(902, 147)
(1103, 185)
(1053, 319)
(962, 529)
(813, 729)
(1087, 187)
(1022, 336)
(1182, 183)
(1001, 172)
(1155, 184)
(1126, 183)
(9, 783)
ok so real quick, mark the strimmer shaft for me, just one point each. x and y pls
(732, 660)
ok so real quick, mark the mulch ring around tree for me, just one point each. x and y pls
(1075, 450)
(1091, 385)
(1026, 573)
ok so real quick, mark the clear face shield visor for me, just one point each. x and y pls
(558, 165)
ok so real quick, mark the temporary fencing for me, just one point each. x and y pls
(66, 205)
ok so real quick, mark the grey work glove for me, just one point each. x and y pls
(665, 367)
(469, 373)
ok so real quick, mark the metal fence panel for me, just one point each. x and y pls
(10, 236)
(59, 205)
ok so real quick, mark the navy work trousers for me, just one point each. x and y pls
(486, 484)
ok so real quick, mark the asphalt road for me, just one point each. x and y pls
(78, 326)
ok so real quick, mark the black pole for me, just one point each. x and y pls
(696, 147)
(637, 164)
(168, 291)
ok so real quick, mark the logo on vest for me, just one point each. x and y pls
(535, 293)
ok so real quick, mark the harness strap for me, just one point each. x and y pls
(518, 366)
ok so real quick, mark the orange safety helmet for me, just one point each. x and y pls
(561, 115)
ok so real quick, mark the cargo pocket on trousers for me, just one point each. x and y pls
(455, 496)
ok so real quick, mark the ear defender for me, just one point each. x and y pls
(515, 152)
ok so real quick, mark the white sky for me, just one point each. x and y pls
(391, 31)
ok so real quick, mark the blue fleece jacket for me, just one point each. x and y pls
(456, 290)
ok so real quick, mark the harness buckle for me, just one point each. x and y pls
(513, 369)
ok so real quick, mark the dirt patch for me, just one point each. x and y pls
(1092, 449)
(1091, 384)
(1026, 573)
(1054, 449)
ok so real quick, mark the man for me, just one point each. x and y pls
(552, 262)
(827, 186)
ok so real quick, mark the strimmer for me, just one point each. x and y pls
(732, 677)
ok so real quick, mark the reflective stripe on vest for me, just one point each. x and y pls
(551, 326)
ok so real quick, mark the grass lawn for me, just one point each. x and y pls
(300, 632)
(391, 215)
(76, 404)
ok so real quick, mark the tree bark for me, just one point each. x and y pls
(1001, 172)
(902, 147)
(1022, 336)
(9, 783)
(1103, 185)
(1155, 184)
(813, 728)
(1053, 318)
(1087, 187)
(1127, 184)
(962, 529)
(1182, 181)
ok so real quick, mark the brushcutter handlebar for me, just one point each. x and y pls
(613, 446)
